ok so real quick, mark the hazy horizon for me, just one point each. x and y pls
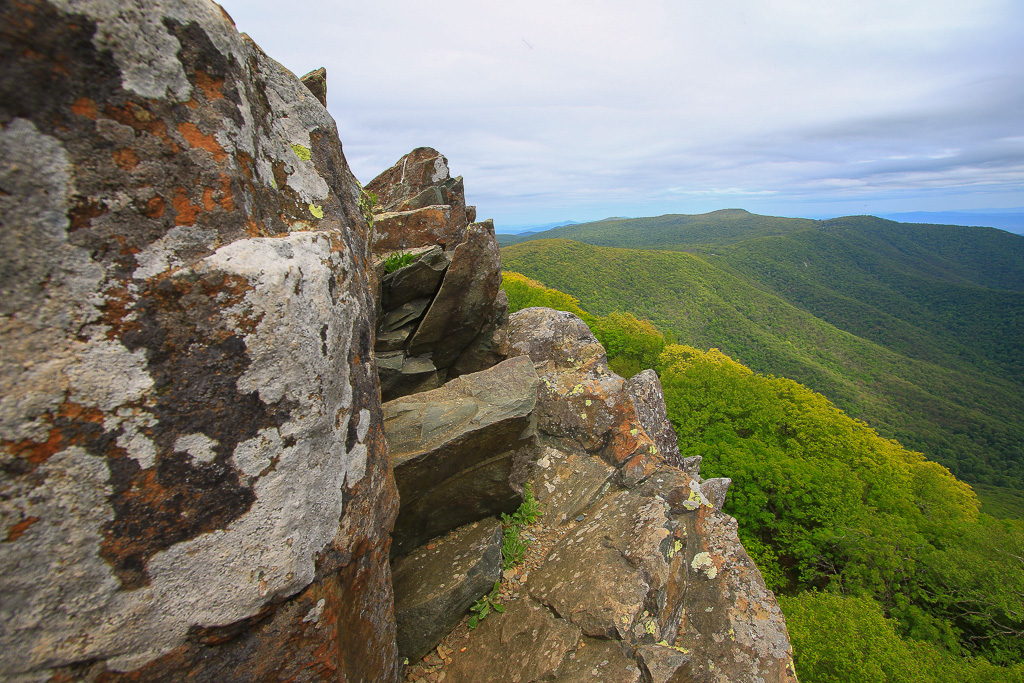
(1009, 219)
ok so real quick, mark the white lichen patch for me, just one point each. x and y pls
(54, 583)
(133, 439)
(198, 445)
(162, 254)
(108, 375)
(440, 170)
(143, 49)
(696, 497)
(35, 173)
(703, 562)
(315, 612)
(254, 455)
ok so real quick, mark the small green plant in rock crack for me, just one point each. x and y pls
(513, 548)
(482, 607)
(398, 260)
(367, 201)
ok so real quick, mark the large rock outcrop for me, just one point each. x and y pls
(197, 326)
(635, 560)
(439, 312)
(193, 473)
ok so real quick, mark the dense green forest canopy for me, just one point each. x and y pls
(918, 330)
(887, 569)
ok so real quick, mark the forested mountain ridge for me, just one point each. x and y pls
(917, 331)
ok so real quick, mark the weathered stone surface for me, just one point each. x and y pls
(580, 399)
(405, 230)
(566, 483)
(598, 660)
(316, 82)
(400, 374)
(684, 493)
(743, 636)
(417, 180)
(192, 456)
(419, 169)
(526, 643)
(691, 465)
(466, 297)
(664, 664)
(394, 340)
(404, 314)
(420, 278)
(454, 449)
(588, 577)
(436, 584)
(649, 398)
(715, 490)
(483, 352)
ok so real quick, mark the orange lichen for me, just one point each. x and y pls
(186, 210)
(83, 106)
(126, 158)
(137, 117)
(38, 452)
(155, 207)
(196, 138)
(15, 532)
(211, 87)
(226, 201)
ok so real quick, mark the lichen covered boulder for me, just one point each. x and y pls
(192, 451)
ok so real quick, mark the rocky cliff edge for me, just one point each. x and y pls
(198, 325)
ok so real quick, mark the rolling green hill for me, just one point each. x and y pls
(918, 333)
(674, 231)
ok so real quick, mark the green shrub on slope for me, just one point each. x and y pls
(846, 510)
(632, 344)
(847, 639)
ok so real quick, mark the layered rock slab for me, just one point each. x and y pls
(421, 179)
(526, 643)
(456, 450)
(466, 297)
(580, 400)
(192, 453)
(649, 399)
(457, 271)
(436, 584)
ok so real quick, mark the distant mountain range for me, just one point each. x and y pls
(917, 329)
(533, 229)
(1011, 220)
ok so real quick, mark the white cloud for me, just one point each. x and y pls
(599, 108)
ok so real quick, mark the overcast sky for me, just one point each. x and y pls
(555, 110)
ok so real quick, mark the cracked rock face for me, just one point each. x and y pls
(192, 451)
(456, 450)
(438, 314)
(637, 555)
(436, 584)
